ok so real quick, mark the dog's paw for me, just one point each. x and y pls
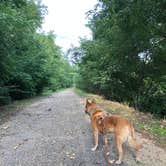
(94, 148)
(137, 159)
(118, 162)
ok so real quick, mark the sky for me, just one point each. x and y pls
(67, 19)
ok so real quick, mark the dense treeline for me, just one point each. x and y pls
(126, 59)
(29, 61)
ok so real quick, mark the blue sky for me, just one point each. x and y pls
(67, 19)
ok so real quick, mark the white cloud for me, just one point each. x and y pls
(67, 19)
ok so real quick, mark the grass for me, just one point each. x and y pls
(47, 92)
(80, 92)
(145, 123)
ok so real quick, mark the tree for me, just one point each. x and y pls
(29, 61)
(125, 61)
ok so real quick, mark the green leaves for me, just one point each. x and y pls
(29, 61)
(125, 59)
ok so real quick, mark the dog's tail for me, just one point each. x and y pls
(132, 132)
(132, 140)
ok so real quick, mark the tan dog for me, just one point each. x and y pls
(101, 122)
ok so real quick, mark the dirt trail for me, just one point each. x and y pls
(54, 131)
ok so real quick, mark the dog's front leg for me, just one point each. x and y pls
(95, 135)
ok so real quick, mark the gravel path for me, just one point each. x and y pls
(54, 131)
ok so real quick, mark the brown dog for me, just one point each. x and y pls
(103, 123)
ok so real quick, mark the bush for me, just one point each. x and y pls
(29, 61)
(22, 86)
(153, 99)
(4, 95)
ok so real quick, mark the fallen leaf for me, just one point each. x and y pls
(72, 157)
(15, 147)
(161, 126)
(108, 153)
(111, 161)
(67, 153)
(5, 127)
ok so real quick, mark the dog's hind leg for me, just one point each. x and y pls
(105, 139)
(119, 148)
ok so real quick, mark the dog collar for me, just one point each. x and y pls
(90, 112)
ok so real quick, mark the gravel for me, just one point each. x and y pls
(54, 131)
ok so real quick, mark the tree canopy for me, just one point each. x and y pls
(126, 59)
(29, 61)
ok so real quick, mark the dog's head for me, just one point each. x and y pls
(89, 105)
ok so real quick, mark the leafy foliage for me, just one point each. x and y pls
(125, 60)
(29, 61)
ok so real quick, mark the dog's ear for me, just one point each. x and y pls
(88, 101)
(94, 101)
